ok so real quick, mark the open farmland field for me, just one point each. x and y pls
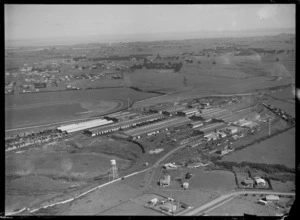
(287, 186)
(49, 112)
(52, 169)
(100, 201)
(279, 149)
(34, 109)
(156, 80)
(217, 180)
(131, 208)
(242, 205)
(82, 158)
(238, 73)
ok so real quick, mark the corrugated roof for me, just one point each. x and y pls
(127, 122)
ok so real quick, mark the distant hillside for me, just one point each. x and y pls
(146, 37)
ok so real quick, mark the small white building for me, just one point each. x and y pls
(262, 202)
(272, 198)
(185, 185)
(153, 201)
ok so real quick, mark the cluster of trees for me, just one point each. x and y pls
(137, 56)
(189, 61)
(79, 58)
(171, 58)
(267, 168)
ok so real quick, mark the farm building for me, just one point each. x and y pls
(123, 124)
(248, 182)
(272, 198)
(169, 166)
(259, 181)
(173, 110)
(156, 127)
(231, 129)
(185, 185)
(188, 112)
(196, 124)
(262, 202)
(169, 207)
(84, 125)
(165, 181)
(153, 201)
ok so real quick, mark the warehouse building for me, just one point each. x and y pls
(215, 113)
(156, 127)
(123, 125)
(196, 124)
(173, 110)
(83, 125)
(188, 112)
(212, 127)
(121, 116)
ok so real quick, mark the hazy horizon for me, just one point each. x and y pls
(47, 25)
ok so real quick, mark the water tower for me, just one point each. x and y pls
(113, 174)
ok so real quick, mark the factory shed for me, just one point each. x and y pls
(121, 116)
(208, 128)
(188, 112)
(156, 127)
(123, 124)
(173, 110)
(84, 125)
(196, 124)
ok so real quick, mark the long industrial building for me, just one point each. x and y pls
(173, 110)
(121, 116)
(84, 125)
(123, 124)
(156, 127)
(196, 124)
(188, 112)
(211, 127)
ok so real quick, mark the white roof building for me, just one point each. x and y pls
(154, 201)
(272, 198)
(260, 181)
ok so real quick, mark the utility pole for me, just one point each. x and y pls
(128, 103)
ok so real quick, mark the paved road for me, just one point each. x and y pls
(219, 201)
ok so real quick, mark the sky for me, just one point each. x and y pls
(24, 22)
